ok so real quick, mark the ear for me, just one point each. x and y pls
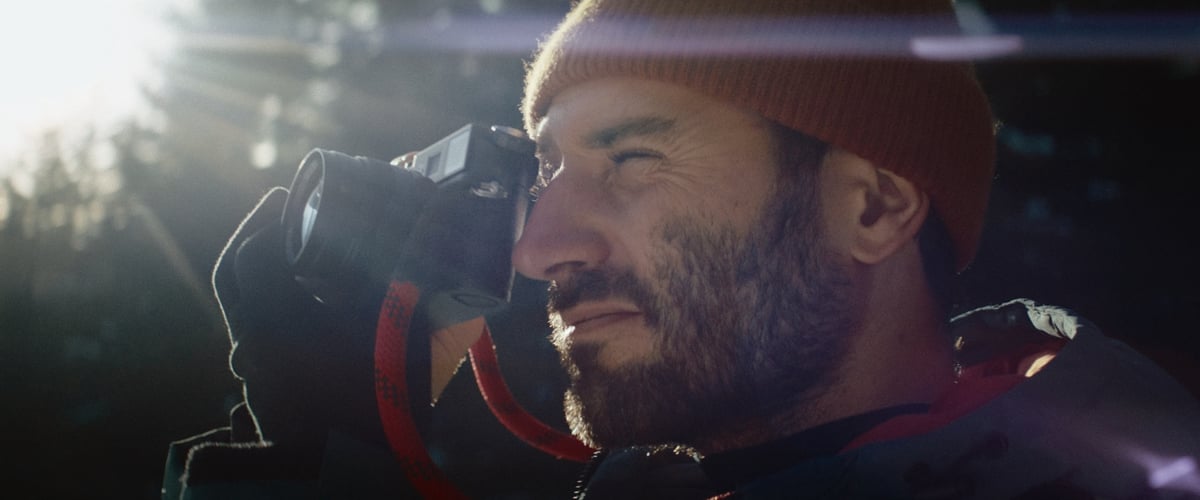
(881, 211)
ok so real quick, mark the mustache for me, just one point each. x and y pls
(603, 284)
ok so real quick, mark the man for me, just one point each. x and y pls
(748, 248)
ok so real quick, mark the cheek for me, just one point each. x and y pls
(716, 196)
(722, 202)
(838, 221)
(637, 232)
(737, 197)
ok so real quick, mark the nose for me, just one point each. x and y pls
(564, 233)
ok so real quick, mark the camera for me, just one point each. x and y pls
(446, 221)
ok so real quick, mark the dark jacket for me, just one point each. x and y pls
(1099, 421)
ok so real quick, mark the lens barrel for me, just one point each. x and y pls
(342, 215)
(446, 222)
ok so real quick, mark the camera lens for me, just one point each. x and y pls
(332, 214)
(345, 219)
(447, 221)
(310, 213)
(302, 222)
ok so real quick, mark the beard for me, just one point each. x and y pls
(744, 328)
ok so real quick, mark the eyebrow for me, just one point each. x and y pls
(606, 137)
(634, 127)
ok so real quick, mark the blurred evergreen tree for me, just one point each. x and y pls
(113, 344)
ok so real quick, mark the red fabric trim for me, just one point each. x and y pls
(975, 387)
(965, 396)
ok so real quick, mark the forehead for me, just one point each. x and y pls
(592, 111)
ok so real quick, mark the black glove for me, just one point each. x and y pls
(306, 367)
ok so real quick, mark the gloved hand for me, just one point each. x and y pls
(306, 367)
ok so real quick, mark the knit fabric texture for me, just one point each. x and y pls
(844, 71)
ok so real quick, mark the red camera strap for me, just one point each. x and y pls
(392, 395)
(392, 398)
(510, 413)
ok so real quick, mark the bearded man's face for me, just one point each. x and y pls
(690, 289)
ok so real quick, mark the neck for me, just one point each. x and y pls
(898, 354)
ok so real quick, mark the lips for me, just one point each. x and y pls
(589, 319)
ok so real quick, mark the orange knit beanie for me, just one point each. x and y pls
(844, 71)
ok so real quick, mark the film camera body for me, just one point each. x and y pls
(447, 221)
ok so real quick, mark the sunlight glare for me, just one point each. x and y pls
(73, 63)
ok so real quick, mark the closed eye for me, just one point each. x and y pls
(627, 155)
(547, 169)
(546, 172)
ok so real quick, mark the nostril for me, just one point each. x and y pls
(532, 257)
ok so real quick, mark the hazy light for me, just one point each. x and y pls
(264, 154)
(364, 15)
(1176, 470)
(1098, 36)
(961, 48)
(1172, 473)
(4, 209)
(70, 63)
(491, 6)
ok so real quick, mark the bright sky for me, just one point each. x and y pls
(72, 62)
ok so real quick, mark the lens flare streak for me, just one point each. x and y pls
(1179, 472)
(1083, 36)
